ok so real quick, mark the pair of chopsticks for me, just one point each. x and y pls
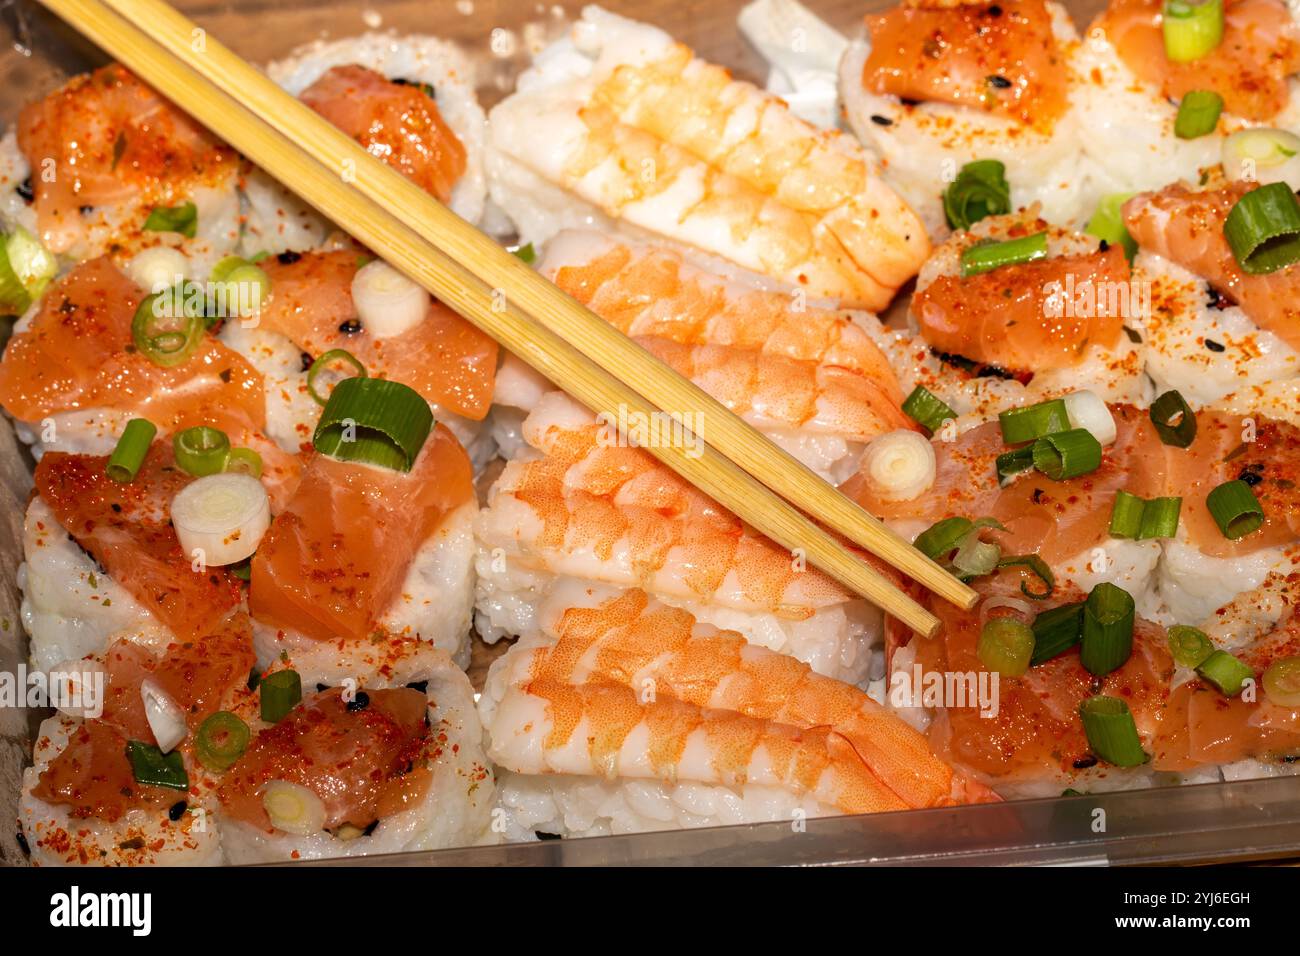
(571, 346)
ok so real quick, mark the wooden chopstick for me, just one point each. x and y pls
(315, 159)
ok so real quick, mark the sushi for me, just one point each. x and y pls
(809, 378)
(640, 133)
(621, 714)
(583, 505)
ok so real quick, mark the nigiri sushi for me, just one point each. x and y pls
(619, 125)
(621, 714)
(811, 379)
(584, 505)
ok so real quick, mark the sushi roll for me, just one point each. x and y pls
(621, 714)
(115, 780)
(408, 99)
(1131, 102)
(937, 84)
(102, 556)
(361, 550)
(1062, 317)
(106, 164)
(356, 311)
(1216, 330)
(618, 125)
(809, 378)
(389, 759)
(583, 505)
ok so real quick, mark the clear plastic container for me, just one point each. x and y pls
(1252, 820)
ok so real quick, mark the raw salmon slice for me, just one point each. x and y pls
(1037, 730)
(200, 675)
(1249, 69)
(126, 528)
(112, 140)
(1015, 317)
(354, 758)
(396, 122)
(444, 358)
(93, 777)
(1185, 225)
(335, 559)
(78, 354)
(998, 57)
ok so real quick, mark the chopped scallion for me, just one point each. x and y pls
(1067, 454)
(376, 421)
(1198, 114)
(1107, 640)
(928, 411)
(1235, 509)
(183, 219)
(980, 190)
(994, 255)
(1056, 631)
(1263, 229)
(220, 741)
(280, 693)
(1174, 420)
(153, 768)
(1189, 646)
(1005, 645)
(1225, 672)
(201, 450)
(1111, 732)
(124, 464)
(1031, 422)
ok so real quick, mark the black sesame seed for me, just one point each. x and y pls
(177, 811)
(85, 210)
(350, 327)
(288, 258)
(999, 82)
(321, 688)
(1214, 346)
(421, 685)
(370, 828)
(881, 120)
(995, 11)
(117, 509)
(305, 361)
(906, 102)
(1252, 474)
(548, 836)
(360, 702)
(1134, 335)
(1083, 763)
(1103, 246)
(22, 843)
(24, 190)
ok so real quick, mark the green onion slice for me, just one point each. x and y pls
(247, 287)
(942, 537)
(1012, 463)
(1225, 672)
(980, 190)
(1235, 509)
(1281, 682)
(975, 557)
(201, 450)
(164, 334)
(183, 219)
(280, 693)
(220, 741)
(319, 366)
(124, 464)
(224, 267)
(244, 461)
(26, 268)
(1263, 229)
(1107, 639)
(926, 410)
(993, 255)
(1111, 731)
(1141, 520)
(1191, 30)
(1034, 421)
(1005, 646)
(154, 768)
(1174, 420)
(1067, 454)
(526, 253)
(1056, 631)
(1189, 646)
(1107, 223)
(1040, 570)
(1198, 114)
(376, 421)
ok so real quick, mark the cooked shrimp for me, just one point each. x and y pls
(628, 687)
(652, 136)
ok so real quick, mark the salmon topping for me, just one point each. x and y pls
(444, 358)
(1249, 69)
(126, 528)
(396, 122)
(1033, 316)
(335, 560)
(112, 140)
(1001, 58)
(356, 759)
